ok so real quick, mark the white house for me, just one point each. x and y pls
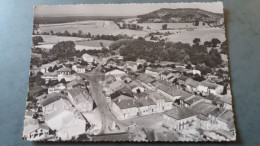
(131, 65)
(57, 88)
(65, 120)
(33, 131)
(79, 68)
(88, 58)
(116, 73)
(205, 87)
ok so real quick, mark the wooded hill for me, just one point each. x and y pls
(180, 15)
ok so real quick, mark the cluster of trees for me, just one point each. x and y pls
(169, 51)
(213, 43)
(37, 39)
(64, 50)
(88, 35)
(130, 26)
(55, 67)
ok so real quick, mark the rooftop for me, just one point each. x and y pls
(124, 102)
(192, 82)
(51, 98)
(179, 113)
(145, 78)
(209, 85)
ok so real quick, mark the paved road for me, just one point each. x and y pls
(95, 77)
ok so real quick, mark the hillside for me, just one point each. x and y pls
(166, 15)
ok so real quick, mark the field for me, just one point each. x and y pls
(77, 47)
(94, 43)
(204, 35)
(179, 31)
(52, 39)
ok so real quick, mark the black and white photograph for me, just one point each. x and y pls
(148, 72)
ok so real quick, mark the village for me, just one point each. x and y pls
(131, 90)
(140, 87)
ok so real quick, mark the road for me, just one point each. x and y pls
(95, 77)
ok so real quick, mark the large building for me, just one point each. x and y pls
(81, 99)
(179, 118)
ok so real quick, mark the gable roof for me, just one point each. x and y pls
(145, 78)
(192, 82)
(124, 102)
(209, 85)
(180, 113)
(52, 97)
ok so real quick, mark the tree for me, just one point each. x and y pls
(164, 26)
(188, 66)
(215, 42)
(51, 32)
(37, 39)
(50, 69)
(196, 41)
(224, 47)
(63, 50)
(80, 33)
(207, 44)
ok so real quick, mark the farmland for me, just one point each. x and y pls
(94, 43)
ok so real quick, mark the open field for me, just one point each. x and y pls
(179, 32)
(203, 34)
(52, 39)
(94, 43)
(78, 47)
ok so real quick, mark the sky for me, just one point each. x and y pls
(119, 9)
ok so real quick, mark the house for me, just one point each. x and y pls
(124, 107)
(50, 76)
(109, 79)
(203, 108)
(44, 68)
(191, 85)
(203, 122)
(65, 120)
(64, 71)
(169, 76)
(146, 81)
(227, 101)
(79, 68)
(210, 88)
(140, 62)
(222, 119)
(131, 65)
(76, 84)
(33, 131)
(194, 72)
(88, 58)
(123, 91)
(181, 80)
(152, 72)
(113, 87)
(179, 118)
(80, 99)
(148, 106)
(57, 88)
(171, 92)
(193, 100)
(162, 103)
(47, 104)
(116, 73)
